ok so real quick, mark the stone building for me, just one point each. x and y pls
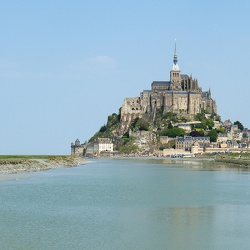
(185, 126)
(181, 95)
(98, 146)
(186, 142)
(77, 148)
(222, 138)
(92, 149)
(105, 145)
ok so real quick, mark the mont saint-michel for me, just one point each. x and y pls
(181, 95)
(173, 117)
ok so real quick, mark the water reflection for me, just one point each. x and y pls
(184, 216)
(204, 227)
(189, 222)
(198, 163)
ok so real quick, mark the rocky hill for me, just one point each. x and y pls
(159, 111)
(144, 134)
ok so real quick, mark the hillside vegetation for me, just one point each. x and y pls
(163, 125)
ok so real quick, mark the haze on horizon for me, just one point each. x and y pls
(65, 66)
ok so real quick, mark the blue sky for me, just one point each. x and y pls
(66, 65)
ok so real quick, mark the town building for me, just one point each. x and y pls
(222, 138)
(77, 148)
(105, 145)
(98, 146)
(185, 143)
(185, 126)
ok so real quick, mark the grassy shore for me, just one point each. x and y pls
(27, 163)
(240, 159)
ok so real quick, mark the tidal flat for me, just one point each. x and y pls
(13, 164)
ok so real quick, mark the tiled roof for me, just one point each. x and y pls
(161, 83)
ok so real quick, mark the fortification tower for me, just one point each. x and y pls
(175, 74)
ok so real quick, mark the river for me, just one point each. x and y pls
(128, 204)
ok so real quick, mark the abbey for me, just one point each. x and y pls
(181, 95)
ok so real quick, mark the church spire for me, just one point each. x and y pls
(175, 66)
(175, 54)
(209, 93)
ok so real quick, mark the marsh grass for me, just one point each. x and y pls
(242, 158)
(20, 159)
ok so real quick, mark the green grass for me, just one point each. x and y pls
(33, 156)
(242, 159)
(244, 155)
(19, 159)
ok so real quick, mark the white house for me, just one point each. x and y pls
(105, 145)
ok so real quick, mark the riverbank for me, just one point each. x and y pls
(240, 162)
(20, 164)
(238, 159)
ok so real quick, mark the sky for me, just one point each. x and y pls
(66, 65)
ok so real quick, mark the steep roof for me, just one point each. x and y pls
(161, 83)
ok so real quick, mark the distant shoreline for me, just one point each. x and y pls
(21, 164)
(243, 163)
(25, 164)
(237, 160)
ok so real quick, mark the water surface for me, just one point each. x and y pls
(127, 204)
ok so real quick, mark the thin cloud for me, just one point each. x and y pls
(93, 65)
(103, 61)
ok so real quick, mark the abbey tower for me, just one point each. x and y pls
(175, 74)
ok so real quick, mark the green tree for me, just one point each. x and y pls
(221, 130)
(126, 135)
(210, 123)
(240, 126)
(134, 122)
(213, 135)
(112, 120)
(103, 128)
(140, 124)
(200, 116)
(143, 125)
(203, 124)
(173, 132)
(206, 123)
(128, 145)
(170, 116)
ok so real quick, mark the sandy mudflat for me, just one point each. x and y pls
(29, 165)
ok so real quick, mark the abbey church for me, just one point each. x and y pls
(181, 95)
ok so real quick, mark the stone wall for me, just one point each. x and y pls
(167, 152)
(165, 139)
(131, 105)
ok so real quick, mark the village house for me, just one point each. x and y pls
(99, 146)
(185, 143)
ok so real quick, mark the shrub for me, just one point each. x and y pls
(213, 135)
(140, 124)
(103, 128)
(173, 132)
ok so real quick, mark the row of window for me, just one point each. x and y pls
(175, 74)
